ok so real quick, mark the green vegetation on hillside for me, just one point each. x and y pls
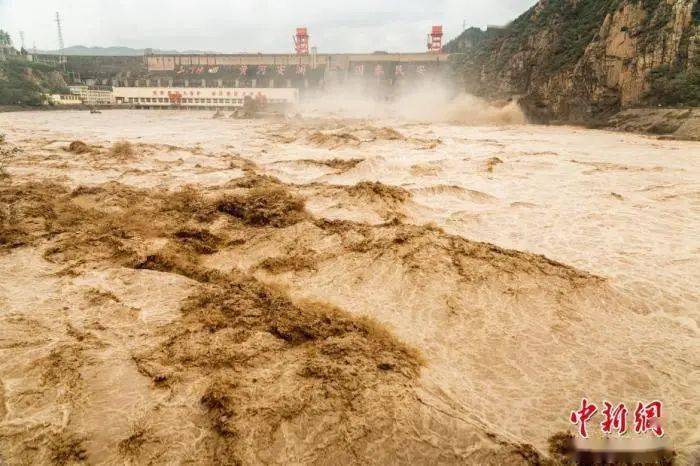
(573, 23)
(676, 84)
(674, 87)
(25, 83)
(580, 24)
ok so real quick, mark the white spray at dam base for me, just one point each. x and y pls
(425, 102)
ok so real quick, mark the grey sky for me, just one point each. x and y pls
(249, 25)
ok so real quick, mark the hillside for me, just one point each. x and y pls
(583, 60)
(25, 83)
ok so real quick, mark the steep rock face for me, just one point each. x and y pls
(581, 60)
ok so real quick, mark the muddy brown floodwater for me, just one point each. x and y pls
(327, 290)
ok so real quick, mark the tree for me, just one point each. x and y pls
(5, 38)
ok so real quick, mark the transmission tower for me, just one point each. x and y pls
(21, 38)
(61, 46)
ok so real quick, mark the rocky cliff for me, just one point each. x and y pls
(583, 60)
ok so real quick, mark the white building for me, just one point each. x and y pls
(65, 99)
(79, 89)
(92, 95)
(99, 97)
(201, 97)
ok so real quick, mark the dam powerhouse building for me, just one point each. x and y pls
(195, 80)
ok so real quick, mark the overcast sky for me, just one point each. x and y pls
(249, 25)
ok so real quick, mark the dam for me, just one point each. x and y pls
(306, 69)
(250, 70)
(214, 80)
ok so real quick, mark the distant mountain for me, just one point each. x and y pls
(115, 51)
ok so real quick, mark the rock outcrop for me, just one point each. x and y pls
(583, 60)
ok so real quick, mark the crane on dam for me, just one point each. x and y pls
(301, 41)
(435, 39)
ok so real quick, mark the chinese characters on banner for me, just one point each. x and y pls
(380, 71)
(646, 418)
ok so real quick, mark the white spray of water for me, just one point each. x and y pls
(431, 102)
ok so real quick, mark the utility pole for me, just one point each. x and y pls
(61, 46)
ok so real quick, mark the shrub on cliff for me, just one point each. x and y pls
(669, 87)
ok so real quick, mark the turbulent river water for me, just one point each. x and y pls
(509, 347)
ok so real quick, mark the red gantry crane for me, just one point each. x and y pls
(435, 40)
(301, 41)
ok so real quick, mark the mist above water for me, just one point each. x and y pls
(432, 102)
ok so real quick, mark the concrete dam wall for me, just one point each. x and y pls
(253, 70)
